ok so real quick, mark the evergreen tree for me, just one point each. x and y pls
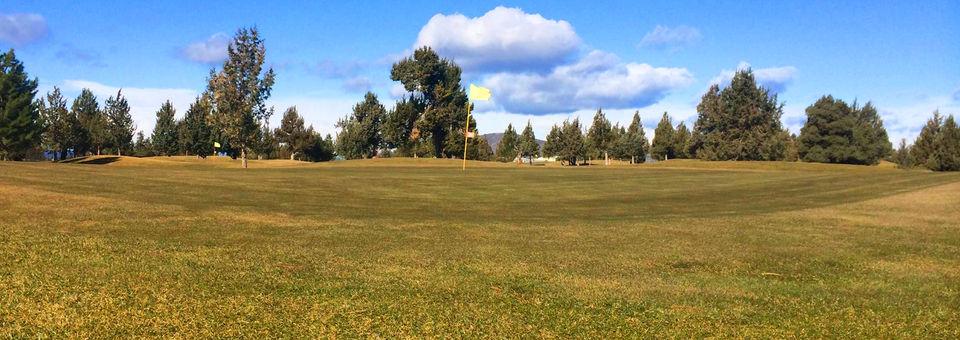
(572, 149)
(740, 122)
(681, 141)
(792, 151)
(663, 144)
(599, 137)
(86, 112)
(197, 139)
(839, 133)
(318, 149)
(119, 123)
(240, 90)
(293, 134)
(508, 149)
(902, 156)
(165, 134)
(551, 148)
(142, 147)
(483, 150)
(925, 145)
(57, 127)
(435, 82)
(20, 122)
(400, 123)
(617, 148)
(946, 154)
(635, 141)
(359, 136)
(528, 145)
(871, 136)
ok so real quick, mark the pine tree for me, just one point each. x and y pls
(572, 149)
(925, 145)
(528, 145)
(86, 112)
(293, 134)
(871, 136)
(57, 130)
(359, 136)
(399, 125)
(508, 149)
(20, 122)
(946, 154)
(740, 122)
(599, 137)
(681, 141)
(663, 144)
(239, 92)
(839, 133)
(197, 139)
(142, 147)
(119, 123)
(164, 138)
(902, 156)
(635, 143)
(551, 148)
(484, 152)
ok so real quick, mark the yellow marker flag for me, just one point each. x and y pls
(479, 93)
(216, 144)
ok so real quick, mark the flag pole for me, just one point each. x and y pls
(466, 134)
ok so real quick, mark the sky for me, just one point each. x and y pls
(544, 61)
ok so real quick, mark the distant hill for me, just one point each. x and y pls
(494, 139)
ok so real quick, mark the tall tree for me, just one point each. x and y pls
(481, 151)
(508, 149)
(436, 82)
(198, 140)
(400, 123)
(551, 148)
(599, 137)
(142, 147)
(872, 139)
(902, 156)
(681, 141)
(119, 123)
(836, 132)
(925, 145)
(946, 154)
(20, 121)
(359, 135)
(528, 145)
(57, 128)
(293, 134)
(635, 141)
(165, 134)
(572, 149)
(663, 144)
(740, 122)
(240, 90)
(86, 111)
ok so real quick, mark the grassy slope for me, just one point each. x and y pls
(415, 247)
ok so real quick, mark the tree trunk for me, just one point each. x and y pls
(606, 158)
(243, 156)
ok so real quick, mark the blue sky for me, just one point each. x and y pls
(544, 61)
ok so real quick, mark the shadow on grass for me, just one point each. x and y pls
(92, 160)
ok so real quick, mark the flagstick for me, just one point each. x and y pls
(466, 132)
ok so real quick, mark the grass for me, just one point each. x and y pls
(414, 247)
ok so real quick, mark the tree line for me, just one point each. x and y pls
(738, 122)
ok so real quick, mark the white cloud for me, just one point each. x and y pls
(397, 90)
(502, 39)
(598, 80)
(20, 29)
(775, 79)
(675, 38)
(144, 102)
(212, 50)
(906, 120)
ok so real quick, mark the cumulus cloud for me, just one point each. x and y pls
(212, 50)
(673, 38)
(502, 39)
(144, 102)
(20, 28)
(775, 79)
(599, 79)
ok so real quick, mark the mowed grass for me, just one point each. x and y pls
(408, 247)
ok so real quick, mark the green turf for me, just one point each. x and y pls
(390, 248)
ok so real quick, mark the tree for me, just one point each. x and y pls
(164, 138)
(572, 148)
(508, 149)
(86, 111)
(925, 145)
(20, 121)
(681, 141)
(599, 137)
(57, 128)
(436, 83)
(635, 143)
(528, 145)
(142, 147)
(902, 156)
(400, 123)
(197, 139)
(946, 154)
(839, 133)
(318, 149)
(663, 144)
(740, 122)
(481, 151)
(359, 135)
(292, 134)
(239, 92)
(551, 148)
(119, 123)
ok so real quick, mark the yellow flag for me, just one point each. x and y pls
(216, 144)
(479, 93)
